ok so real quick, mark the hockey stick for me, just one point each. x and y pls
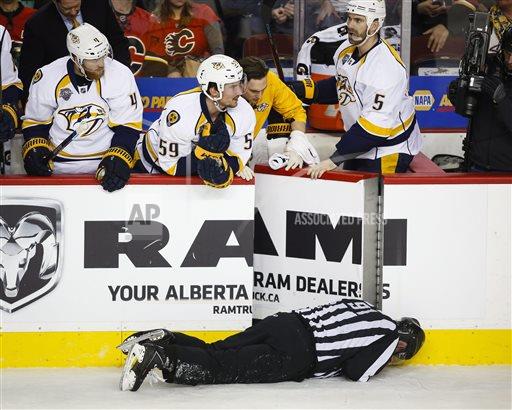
(80, 130)
(275, 55)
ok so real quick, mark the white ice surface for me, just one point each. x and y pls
(412, 387)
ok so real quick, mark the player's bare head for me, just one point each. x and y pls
(365, 18)
(68, 8)
(411, 337)
(222, 80)
(88, 48)
(256, 72)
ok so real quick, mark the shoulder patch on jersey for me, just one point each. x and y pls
(37, 76)
(172, 118)
(65, 93)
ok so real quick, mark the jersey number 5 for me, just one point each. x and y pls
(248, 141)
(168, 148)
(378, 102)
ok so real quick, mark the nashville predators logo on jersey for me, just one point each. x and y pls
(345, 92)
(92, 113)
(261, 107)
(178, 43)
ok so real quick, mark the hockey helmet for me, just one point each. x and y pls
(410, 332)
(86, 42)
(371, 9)
(220, 70)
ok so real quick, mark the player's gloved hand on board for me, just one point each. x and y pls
(245, 173)
(304, 89)
(214, 140)
(114, 169)
(8, 123)
(215, 172)
(36, 152)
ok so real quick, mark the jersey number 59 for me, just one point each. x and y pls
(168, 148)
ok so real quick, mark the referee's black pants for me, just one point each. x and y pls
(278, 348)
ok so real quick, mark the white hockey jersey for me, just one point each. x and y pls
(373, 91)
(56, 101)
(175, 133)
(9, 70)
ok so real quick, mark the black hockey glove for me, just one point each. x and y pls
(36, 152)
(305, 90)
(214, 140)
(114, 169)
(215, 172)
(8, 122)
(494, 88)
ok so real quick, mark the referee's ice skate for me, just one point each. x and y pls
(153, 335)
(140, 361)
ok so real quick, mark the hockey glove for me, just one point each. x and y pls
(114, 169)
(36, 152)
(494, 88)
(8, 122)
(245, 173)
(214, 140)
(305, 90)
(215, 172)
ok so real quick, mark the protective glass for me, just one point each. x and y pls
(238, 87)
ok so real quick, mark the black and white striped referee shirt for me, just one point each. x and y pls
(352, 338)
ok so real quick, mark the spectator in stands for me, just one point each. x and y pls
(45, 33)
(181, 35)
(324, 14)
(13, 15)
(437, 20)
(265, 91)
(489, 141)
(240, 20)
(134, 22)
(501, 19)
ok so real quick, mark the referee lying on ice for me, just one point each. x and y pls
(346, 338)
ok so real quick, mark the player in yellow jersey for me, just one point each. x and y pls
(265, 91)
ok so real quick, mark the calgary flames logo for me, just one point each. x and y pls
(345, 92)
(178, 43)
(94, 114)
(137, 53)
